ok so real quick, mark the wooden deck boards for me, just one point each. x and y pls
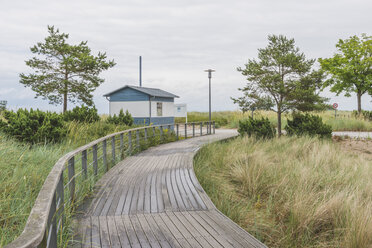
(153, 199)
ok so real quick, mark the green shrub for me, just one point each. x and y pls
(259, 128)
(306, 124)
(121, 119)
(33, 126)
(82, 114)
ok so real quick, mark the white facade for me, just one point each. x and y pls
(142, 108)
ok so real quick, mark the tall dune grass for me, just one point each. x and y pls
(291, 192)
(230, 119)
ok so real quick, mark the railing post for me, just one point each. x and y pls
(185, 130)
(113, 150)
(193, 129)
(145, 133)
(130, 142)
(161, 133)
(207, 128)
(104, 154)
(169, 131)
(71, 178)
(52, 225)
(60, 200)
(84, 163)
(177, 128)
(201, 128)
(153, 131)
(214, 127)
(121, 146)
(95, 160)
(138, 138)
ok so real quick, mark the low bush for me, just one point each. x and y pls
(82, 114)
(259, 128)
(121, 119)
(306, 124)
(34, 126)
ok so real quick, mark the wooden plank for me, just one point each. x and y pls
(127, 190)
(181, 189)
(104, 232)
(200, 202)
(96, 239)
(153, 197)
(120, 190)
(133, 240)
(170, 190)
(168, 235)
(114, 236)
(87, 233)
(159, 188)
(175, 189)
(148, 231)
(189, 195)
(223, 231)
(241, 233)
(122, 233)
(139, 232)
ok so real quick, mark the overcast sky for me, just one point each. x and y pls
(178, 40)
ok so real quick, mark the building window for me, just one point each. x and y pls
(159, 108)
(178, 109)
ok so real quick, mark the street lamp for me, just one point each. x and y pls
(210, 113)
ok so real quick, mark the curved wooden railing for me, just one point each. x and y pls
(62, 190)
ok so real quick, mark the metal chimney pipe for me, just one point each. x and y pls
(140, 71)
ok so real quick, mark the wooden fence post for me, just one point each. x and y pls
(130, 142)
(84, 163)
(177, 129)
(104, 154)
(71, 178)
(113, 150)
(121, 146)
(138, 139)
(95, 160)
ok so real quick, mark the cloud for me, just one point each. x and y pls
(177, 39)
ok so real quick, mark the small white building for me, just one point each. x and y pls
(146, 105)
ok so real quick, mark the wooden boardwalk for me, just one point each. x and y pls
(153, 199)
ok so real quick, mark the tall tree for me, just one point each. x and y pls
(351, 67)
(282, 75)
(64, 72)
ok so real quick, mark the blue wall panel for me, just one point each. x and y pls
(162, 99)
(154, 120)
(128, 94)
(131, 95)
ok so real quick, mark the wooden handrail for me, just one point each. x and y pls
(47, 214)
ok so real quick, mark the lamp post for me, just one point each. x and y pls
(210, 113)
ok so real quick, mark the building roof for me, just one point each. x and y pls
(149, 91)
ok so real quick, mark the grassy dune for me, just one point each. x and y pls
(291, 192)
(230, 119)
